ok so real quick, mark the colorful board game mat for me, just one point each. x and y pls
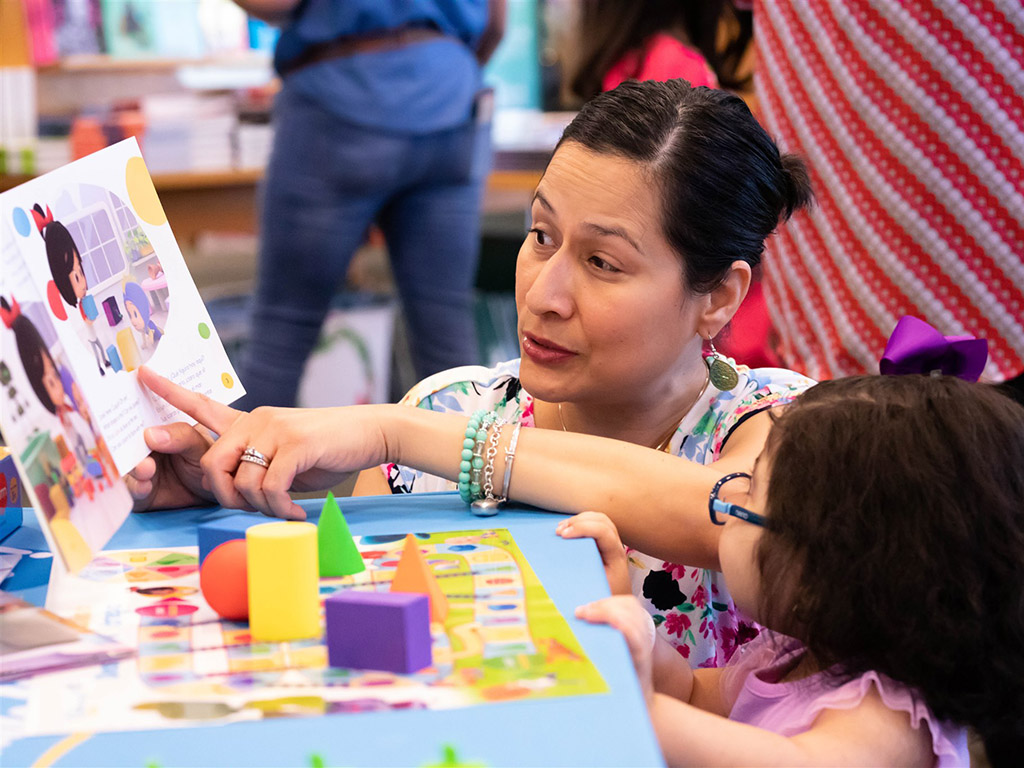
(503, 639)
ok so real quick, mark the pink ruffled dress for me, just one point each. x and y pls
(790, 708)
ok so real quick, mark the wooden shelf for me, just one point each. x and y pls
(104, 63)
(225, 201)
(174, 181)
(207, 179)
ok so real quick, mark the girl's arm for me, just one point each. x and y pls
(658, 665)
(869, 734)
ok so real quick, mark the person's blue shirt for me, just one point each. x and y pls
(419, 88)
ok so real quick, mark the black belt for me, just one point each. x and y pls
(382, 40)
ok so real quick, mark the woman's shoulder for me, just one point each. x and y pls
(467, 388)
(760, 383)
(757, 389)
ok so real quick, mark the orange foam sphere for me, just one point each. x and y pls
(223, 578)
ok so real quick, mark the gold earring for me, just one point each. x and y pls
(722, 375)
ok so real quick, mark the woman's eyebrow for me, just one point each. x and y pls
(598, 229)
(604, 231)
(538, 197)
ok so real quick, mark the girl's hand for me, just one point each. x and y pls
(626, 614)
(307, 449)
(602, 530)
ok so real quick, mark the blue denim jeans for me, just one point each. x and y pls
(326, 183)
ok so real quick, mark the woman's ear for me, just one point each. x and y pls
(725, 298)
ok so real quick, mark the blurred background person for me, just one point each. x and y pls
(617, 40)
(381, 118)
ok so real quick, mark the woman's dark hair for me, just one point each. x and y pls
(61, 253)
(896, 508)
(33, 351)
(724, 187)
(609, 29)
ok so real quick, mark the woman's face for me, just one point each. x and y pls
(78, 283)
(604, 315)
(51, 381)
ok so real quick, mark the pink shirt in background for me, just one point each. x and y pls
(663, 58)
(790, 708)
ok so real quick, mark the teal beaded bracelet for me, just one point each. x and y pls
(472, 462)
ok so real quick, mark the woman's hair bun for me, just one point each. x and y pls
(798, 191)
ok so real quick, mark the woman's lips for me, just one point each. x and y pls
(540, 350)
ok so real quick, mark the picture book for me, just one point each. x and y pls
(93, 285)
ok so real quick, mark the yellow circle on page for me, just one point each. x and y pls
(227, 381)
(142, 193)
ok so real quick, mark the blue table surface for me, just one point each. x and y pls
(609, 729)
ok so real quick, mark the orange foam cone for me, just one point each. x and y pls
(414, 575)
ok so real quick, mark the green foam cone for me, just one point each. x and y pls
(336, 548)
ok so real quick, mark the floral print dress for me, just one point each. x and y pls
(691, 606)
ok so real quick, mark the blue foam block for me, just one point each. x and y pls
(215, 532)
(389, 631)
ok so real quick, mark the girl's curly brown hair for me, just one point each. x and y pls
(897, 515)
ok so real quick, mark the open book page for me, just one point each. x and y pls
(97, 246)
(92, 286)
(51, 429)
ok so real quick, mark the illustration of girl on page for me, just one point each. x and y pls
(69, 277)
(136, 306)
(58, 483)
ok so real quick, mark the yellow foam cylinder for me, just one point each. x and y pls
(284, 581)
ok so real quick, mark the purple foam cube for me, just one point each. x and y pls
(215, 532)
(389, 631)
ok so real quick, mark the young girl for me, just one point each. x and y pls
(68, 275)
(881, 540)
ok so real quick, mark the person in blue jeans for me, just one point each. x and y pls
(381, 118)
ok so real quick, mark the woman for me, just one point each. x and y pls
(653, 209)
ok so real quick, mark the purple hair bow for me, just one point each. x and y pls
(916, 347)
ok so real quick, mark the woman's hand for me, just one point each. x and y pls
(602, 530)
(306, 449)
(627, 615)
(171, 476)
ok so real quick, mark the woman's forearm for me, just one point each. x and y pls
(658, 502)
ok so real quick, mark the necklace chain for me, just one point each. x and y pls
(664, 443)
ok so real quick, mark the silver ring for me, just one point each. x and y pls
(253, 456)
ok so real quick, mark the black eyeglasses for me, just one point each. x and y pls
(718, 507)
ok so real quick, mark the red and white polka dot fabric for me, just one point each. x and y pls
(911, 118)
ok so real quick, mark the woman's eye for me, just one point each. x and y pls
(541, 237)
(603, 265)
